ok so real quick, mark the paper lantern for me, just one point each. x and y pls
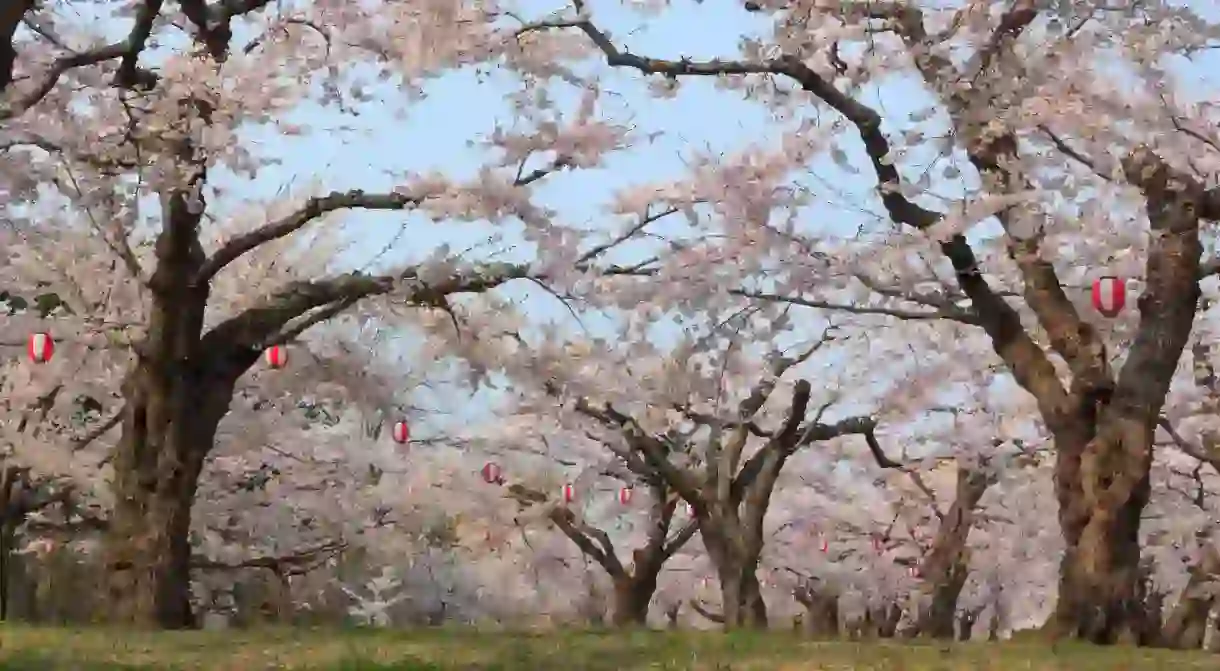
(41, 347)
(568, 493)
(913, 571)
(624, 495)
(276, 356)
(491, 473)
(401, 431)
(825, 545)
(1109, 295)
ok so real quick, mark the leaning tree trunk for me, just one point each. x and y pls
(947, 566)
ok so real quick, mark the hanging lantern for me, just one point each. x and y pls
(276, 356)
(877, 544)
(41, 347)
(569, 493)
(401, 431)
(491, 473)
(624, 495)
(825, 545)
(913, 571)
(1109, 295)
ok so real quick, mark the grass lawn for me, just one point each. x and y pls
(37, 649)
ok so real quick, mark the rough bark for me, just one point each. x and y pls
(947, 566)
(729, 498)
(631, 600)
(1102, 426)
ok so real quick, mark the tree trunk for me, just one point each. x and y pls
(947, 566)
(157, 465)
(631, 598)
(740, 594)
(1103, 489)
(1186, 626)
(822, 608)
(174, 398)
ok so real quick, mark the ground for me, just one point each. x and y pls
(39, 649)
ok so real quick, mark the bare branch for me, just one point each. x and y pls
(98, 431)
(1210, 457)
(953, 314)
(1027, 361)
(296, 563)
(313, 209)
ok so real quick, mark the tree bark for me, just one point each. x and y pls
(947, 566)
(1186, 626)
(736, 562)
(632, 595)
(175, 396)
(822, 608)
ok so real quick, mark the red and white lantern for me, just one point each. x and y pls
(1109, 296)
(41, 347)
(913, 571)
(825, 544)
(568, 493)
(401, 431)
(491, 473)
(276, 356)
(624, 495)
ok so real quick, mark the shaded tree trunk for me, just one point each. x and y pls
(947, 566)
(736, 562)
(966, 622)
(821, 607)
(632, 595)
(1186, 626)
(175, 396)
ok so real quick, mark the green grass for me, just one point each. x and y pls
(39, 649)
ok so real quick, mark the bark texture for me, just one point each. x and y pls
(1102, 423)
(946, 568)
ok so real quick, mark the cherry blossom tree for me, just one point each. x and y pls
(1050, 173)
(635, 581)
(164, 134)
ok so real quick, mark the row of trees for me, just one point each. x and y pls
(1069, 149)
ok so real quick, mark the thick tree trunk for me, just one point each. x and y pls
(736, 567)
(175, 396)
(632, 595)
(1103, 490)
(169, 428)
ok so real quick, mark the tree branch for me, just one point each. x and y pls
(254, 327)
(1168, 304)
(1028, 363)
(952, 314)
(338, 200)
(296, 563)
(594, 542)
(313, 209)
